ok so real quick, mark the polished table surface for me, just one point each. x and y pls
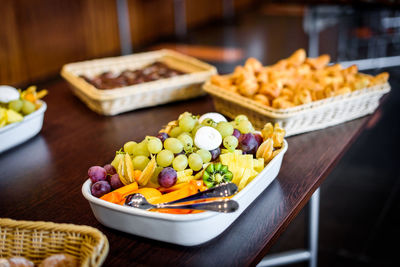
(42, 178)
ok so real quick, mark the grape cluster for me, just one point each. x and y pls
(22, 106)
(104, 179)
(190, 143)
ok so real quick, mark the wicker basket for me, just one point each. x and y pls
(38, 240)
(115, 101)
(304, 118)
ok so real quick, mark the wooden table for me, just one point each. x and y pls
(42, 178)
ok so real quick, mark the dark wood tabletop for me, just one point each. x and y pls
(42, 178)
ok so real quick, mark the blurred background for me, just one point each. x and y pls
(360, 200)
(38, 37)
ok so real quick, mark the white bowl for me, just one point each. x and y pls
(16, 133)
(181, 229)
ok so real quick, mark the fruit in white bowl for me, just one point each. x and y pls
(186, 156)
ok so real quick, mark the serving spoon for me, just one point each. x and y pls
(137, 200)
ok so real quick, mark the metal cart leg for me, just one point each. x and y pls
(123, 27)
(313, 224)
(180, 18)
(300, 255)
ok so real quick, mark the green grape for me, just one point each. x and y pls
(154, 145)
(140, 162)
(154, 177)
(235, 124)
(148, 138)
(16, 105)
(116, 160)
(241, 118)
(175, 131)
(195, 162)
(129, 147)
(224, 128)
(230, 142)
(180, 163)
(173, 145)
(184, 114)
(198, 126)
(187, 123)
(186, 140)
(164, 158)
(204, 154)
(224, 151)
(141, 149)
(209, 122)
(28, 107)
(245, 126)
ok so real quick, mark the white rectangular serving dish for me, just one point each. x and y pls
(118, 100)
(181, 229)
(16, 133)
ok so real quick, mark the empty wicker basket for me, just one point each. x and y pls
(37, 240)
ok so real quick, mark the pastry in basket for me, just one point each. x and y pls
(190, 155)
(56, 260)
(295, 81)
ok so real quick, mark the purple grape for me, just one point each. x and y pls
(110, 169)
(115, 181)
(236, 133)
(248, 143)
(167, 177)
(215, 153)
(258, 138)
(162, 136)
(97, 173)
(100, 188)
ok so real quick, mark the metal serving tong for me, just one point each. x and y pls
(137, 200)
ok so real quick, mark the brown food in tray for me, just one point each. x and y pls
(155, 71)
(295, 81)
(56, 260)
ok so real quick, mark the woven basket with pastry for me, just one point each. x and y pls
(302, 94)
(45, 244)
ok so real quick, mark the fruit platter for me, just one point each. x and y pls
(189, 182)
(21, 115)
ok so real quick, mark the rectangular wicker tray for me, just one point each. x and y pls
(37, 240)
(304, 118)
(115, 101)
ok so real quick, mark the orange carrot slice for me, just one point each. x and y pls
(149, 193)
(127, 189)
(172, 188)
(174, 211)
(185, 191)
(113, 197)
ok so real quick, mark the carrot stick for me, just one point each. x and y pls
(199, 184)
(185, 191)
(149, 193)
(117, 195)
(174, 211)
(172, 188)
(127, 189)
(113, 197)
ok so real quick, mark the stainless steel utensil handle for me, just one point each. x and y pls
(224, 190)
(219, 206)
